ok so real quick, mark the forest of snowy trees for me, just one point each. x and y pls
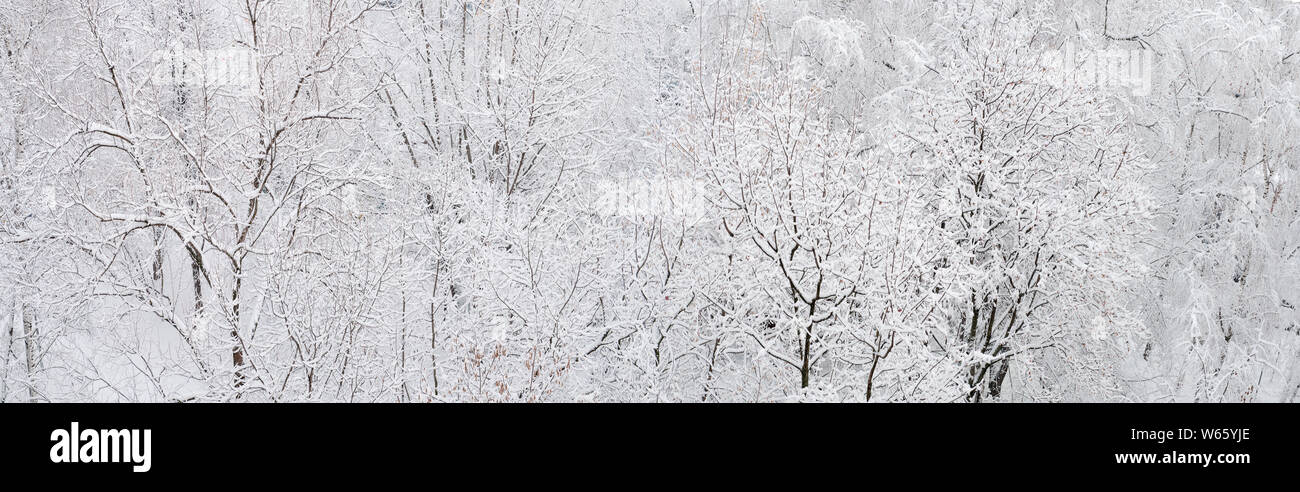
(654, 200)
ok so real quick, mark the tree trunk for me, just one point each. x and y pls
(807, 354)
(29, 341)
(196, 271)
(9, 339)
(237, 353)
(999, 374)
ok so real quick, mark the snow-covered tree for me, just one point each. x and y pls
(686, 200)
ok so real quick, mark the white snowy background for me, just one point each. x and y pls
(623, 200)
